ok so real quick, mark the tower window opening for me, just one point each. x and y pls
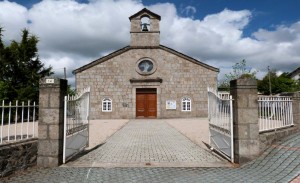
(145, 24)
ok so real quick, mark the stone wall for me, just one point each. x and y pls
(144, 39)
(180, 78)
(18, 155)
(248, 142)
(266, 139)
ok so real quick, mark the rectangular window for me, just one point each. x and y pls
(106, 105)
(186, 104)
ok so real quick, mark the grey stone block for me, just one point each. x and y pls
(56, 132)
(48, 148)
(43, 131)
(46, 161)
(245, 111)
(51, 122)
(49, 116)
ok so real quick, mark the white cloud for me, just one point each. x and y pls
(281, 34)
(13, 18)
(86, 29)
(281, 47)
(189, 11)
(72, 34)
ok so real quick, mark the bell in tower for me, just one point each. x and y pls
(144, 26)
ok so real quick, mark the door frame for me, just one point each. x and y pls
(146, 94)
(158, 102)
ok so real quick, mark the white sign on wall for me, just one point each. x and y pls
(49, 81)
(171, 104)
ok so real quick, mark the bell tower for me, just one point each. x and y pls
(144, 29)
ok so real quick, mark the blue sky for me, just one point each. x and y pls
(267, 14)
(217, 32)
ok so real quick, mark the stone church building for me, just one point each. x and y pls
(146, 79)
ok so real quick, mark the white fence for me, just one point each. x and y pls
(220, 116)
(220, 109)
(274, 112)
(76, 121)
(224, 95)
(18, 121)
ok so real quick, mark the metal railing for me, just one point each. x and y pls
(76, 111)
(220, 116)
(220, 109)
(274, 112)
(224, 95)
(76, 121)
(18, 121)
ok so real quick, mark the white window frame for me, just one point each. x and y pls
(105, 105)
(185, 101)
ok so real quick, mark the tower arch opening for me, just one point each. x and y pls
(145, 23)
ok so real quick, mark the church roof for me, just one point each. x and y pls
(294, 73)
(145, 10)
(127, 48)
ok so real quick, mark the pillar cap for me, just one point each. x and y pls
(51, 82)
(247, 83)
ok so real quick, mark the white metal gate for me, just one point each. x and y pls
(76, 123)
(274, 112)
(220, 116)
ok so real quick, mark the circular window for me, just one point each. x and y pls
(146, 67)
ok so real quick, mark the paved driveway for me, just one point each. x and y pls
(144, 143)
(280, 163)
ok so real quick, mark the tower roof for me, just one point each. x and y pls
(145, 10)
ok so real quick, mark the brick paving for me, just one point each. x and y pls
(149, 143)
(100, 130)
(280, 163)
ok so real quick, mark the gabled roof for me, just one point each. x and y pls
(102, 59)
(294, 73)
(145, 10)
(127, 48)
(170, 50)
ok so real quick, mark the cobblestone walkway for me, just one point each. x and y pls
(280, 163)
(148, 143)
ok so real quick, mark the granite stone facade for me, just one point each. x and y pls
(176, 76)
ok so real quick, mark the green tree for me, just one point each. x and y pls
(279, 84)
(239, 70)
(22, 68)
(71, 91)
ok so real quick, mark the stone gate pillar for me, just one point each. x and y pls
(51, 116)
(245, 119)
(296, 109)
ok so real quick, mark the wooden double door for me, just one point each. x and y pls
(146, 103)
